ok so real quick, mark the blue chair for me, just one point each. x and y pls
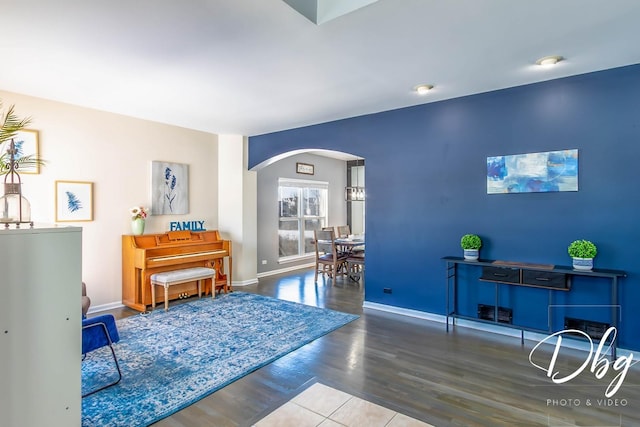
(98, 332)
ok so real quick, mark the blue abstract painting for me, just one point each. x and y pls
(533, 172)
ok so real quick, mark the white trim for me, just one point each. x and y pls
(502, 330)
(294, 182)
(404, 311)
(104, 307)
(295, 258)
(245, 282)
(113, 305)
(285, 270)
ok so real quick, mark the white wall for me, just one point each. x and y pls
(237, 207)
(115, 153)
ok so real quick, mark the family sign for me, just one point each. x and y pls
(186, 225)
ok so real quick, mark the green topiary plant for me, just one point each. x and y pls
(582, 249)
(470, 241)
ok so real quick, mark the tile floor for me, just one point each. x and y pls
(323, 406)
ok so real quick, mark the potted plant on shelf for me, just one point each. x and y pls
(10, 125)
(582, 252)
(471, 244)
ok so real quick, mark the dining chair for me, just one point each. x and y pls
(328, 260)
(343, 231)
(355, 265)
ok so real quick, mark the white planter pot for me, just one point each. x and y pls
(584, 264)
(471, 254)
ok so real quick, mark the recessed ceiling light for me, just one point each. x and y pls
(423, 89)
(549, 60)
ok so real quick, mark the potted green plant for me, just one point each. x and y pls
(582, 252)
(14, 207)
(10, 125)
(471, 244)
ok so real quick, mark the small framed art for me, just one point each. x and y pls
(169, 188)
(26, 143)
(304, 168)
(74, 201)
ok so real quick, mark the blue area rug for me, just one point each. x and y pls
(170, 360)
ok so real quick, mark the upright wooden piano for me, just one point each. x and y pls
(145, 255)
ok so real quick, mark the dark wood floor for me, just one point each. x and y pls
(460, 378)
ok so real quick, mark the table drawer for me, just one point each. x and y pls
(546, 279)
(501, 274)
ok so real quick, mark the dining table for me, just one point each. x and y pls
(353, 247)
(350, 243)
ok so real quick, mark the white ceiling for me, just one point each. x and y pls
(256, 66)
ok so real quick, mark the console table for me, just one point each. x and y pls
(553, 278)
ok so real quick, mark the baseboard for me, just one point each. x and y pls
(245, 283)
(105, 307)
(113, 305)
(285, 270)
(497, 329)
(404, 311)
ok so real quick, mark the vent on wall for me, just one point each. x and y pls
(595, 330)
(488, 312)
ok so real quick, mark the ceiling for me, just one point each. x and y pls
(250, 67)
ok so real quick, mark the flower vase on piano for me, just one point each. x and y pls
(138, 216)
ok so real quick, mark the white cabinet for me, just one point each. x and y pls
(40, 327)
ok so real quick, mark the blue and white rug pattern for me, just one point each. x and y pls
(170, 360)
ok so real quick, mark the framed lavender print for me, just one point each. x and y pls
(169, 188)
(74, 201)
(548, 171)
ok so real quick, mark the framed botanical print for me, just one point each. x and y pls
(26, 144)
(74, 201)
(169, 188)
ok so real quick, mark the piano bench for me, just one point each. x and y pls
(177, 277)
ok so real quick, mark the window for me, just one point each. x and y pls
(302, 209)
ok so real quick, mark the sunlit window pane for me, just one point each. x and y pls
(288, 238)
(309, 226)
(289, 197)
(303, 209)
(313, 202)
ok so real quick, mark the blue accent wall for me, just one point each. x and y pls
(426, 187)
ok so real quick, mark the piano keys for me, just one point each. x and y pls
(147, 254)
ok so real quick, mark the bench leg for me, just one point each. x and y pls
(153, 296)
(166, 297)
(200, 288)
